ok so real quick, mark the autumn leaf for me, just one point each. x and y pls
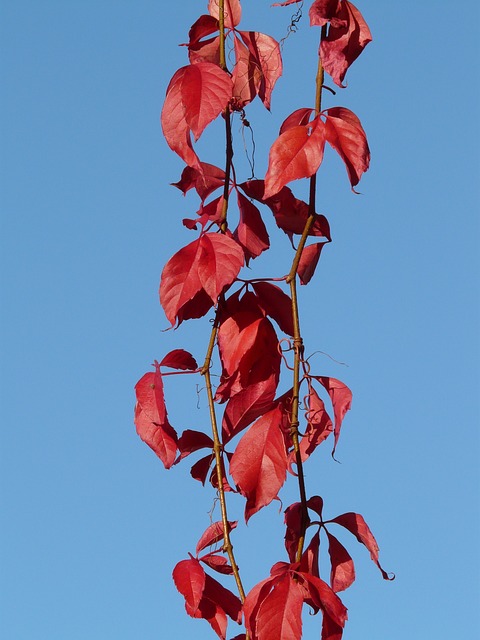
(233, 12)
(296, 153)
(345, 41)
(308, 261)
(213, 534)
(344, 132)
(151, 418)
(179, 359)
(341, 398)
(196, 273)
(342, 574)
(259, 463)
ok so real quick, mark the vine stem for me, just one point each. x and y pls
(205, 371)
(297, 337)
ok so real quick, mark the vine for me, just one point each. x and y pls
(205, 275)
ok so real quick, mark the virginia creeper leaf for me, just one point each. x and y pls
(213, 534)
(295, 154)
(206, 265)
(280, 614)
(300, 117)
(341, 398)
(345, 134)
(151, 418)
(323, 11)
(325, 598)
(345, 41)
(217, 563)
(191, 441)
(308, 261)
(232, 12)
(179, 359)
(342, 573)
(265, 62)
(355, 523)
(276, 304)
(204, 182)
(251, 232)
(189, 578)
(259, 463)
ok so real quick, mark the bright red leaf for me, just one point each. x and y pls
(217, 562)
(151, 418)
(323, 597)
(300, 117)
(205, 182)
(202, 268)
(196, 95)
(259, 463)
(279, 616)
(323, 11)
(251, 232)
(276, 304)
(295, 154)
(189, 578)
(345, 134)
(263, 66)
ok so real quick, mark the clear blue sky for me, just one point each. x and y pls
(92, 523)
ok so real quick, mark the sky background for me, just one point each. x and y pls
(92, 524)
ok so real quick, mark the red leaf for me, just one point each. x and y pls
(289, 212)
(279, 616)
(330, 629)
(355, 523)
(191, 441)
(325, 598)
(247, 405)
(310, 558)
(319, 425)
(276, 304)
(204, 26)
(300, 117)
(213, 534)
(342, 573)
(179, 359)
(344, 132)
(189, 578)
(204, 182)
(196, 95)
(251, 233)
(265, 62)
(308, 261)
(295, 154)
(151, 418)
(253, 601)
(341, 398)
(246, 76)
(199, 470)
(293, 521)
(315, 503)
(323, 11)
(217, 563)
(259, 464)
(224, 598)
(233, 12)
(204, 266)
(345, 41)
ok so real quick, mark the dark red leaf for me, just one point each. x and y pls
(224, 598)
(355, 523)
(259, 464)
(345, 134)
(217, 563)
(319, 425)
(325, 598)
(189, 578)
(276, 304)
(345, 41)
(179, 359)
(191, 441)
(342, 573)
(295, 154)
(315, 503)
(330, 629)
(290, 213)
(310, 558)
(293, 522)
(201, 28)
(251, 232)
(308, 261)
(200, 469)
(205, 266)
(213, 534)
